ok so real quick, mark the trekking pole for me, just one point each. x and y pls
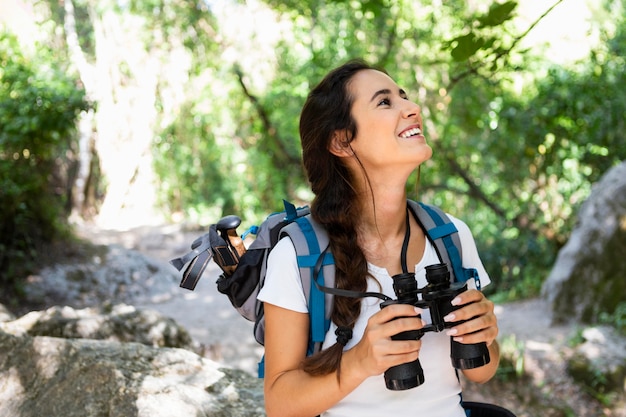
(227, 228)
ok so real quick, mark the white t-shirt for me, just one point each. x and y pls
(439, 395)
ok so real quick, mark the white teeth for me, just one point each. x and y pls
(411, 132)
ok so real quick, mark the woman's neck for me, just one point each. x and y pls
(383, 214)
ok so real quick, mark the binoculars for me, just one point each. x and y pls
(437, 296)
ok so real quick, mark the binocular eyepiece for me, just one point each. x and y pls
(437, 296)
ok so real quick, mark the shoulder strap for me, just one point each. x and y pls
(444, 235)
(317, 272)
(310, 241)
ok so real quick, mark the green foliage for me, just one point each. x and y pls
(512, 364)
(39, 105)
(480, 38)
(194, 170)
(616, 319)
(517, 142)
(514, 164)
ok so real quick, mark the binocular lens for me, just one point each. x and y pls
(438, 275)
(405, 376)
(469, 356)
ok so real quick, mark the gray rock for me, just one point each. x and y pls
(5, 314)
(600, 362)
(48, 376)
(588, 276)
(52, 365)
(122, 323)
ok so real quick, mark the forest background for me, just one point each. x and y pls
(134, 112)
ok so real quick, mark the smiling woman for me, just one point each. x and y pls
(362, 139)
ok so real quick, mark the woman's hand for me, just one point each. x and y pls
(376, 351)
(480, 322)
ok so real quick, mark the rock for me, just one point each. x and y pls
(49, 376)
(588, 276)
(5, 314)
(600, 362)
(122, 323)
(72, 374)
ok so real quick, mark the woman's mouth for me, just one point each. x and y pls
(415, 131)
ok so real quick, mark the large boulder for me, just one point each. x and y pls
(77, 377)
(122, 323)
(589, 276)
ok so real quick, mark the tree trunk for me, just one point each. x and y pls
(81, 203)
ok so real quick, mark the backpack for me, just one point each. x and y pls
(244, 274)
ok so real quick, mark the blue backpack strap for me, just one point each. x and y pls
(261, 367)
(291, 213)
(310, 239)
(444, 235)
(316, 298)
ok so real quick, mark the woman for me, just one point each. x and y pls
(362, 139)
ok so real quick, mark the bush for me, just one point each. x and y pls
(39, 106)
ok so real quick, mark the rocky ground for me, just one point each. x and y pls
(534, 381)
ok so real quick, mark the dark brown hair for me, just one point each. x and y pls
(326, 111)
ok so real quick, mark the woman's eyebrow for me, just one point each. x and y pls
(386, 91)
(382, 92)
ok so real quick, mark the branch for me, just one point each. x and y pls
(393, 32)
(255, 102)
(282, 156)
(535, 23)
(474, 190)
(471, 70)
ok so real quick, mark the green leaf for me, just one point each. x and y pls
(466, 46)
(498, 14)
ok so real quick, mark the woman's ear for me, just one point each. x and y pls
(340, 145)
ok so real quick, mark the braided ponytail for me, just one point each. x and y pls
(328, 110)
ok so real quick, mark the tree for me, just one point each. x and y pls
(39, 106)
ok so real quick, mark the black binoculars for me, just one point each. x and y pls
(437, 296)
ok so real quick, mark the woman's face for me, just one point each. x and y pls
(389, 126)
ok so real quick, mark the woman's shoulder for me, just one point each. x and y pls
(283, 248)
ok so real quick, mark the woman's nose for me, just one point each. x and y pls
(412, 110)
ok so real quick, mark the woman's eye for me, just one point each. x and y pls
(384, 102)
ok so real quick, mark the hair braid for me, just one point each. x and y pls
(326, 111)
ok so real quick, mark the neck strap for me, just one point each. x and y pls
(405, 244)
(355, 294)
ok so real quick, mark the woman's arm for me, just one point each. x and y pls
(289, 391)
(486, 372)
